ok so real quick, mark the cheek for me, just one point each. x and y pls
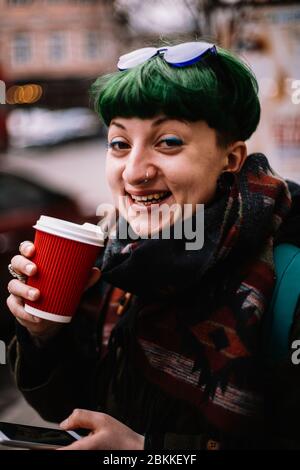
(196, 184)
(205, 184)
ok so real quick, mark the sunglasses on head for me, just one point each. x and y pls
(181, 55)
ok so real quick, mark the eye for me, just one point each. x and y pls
(170, 142)
(117, 145)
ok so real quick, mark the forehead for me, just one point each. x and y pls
(150, 123)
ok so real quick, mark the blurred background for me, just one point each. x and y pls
(52, 145)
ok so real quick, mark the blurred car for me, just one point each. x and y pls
(43, 127)
(22, 201)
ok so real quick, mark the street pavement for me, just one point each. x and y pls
(13, 407)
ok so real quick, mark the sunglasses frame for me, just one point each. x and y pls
(163, 52)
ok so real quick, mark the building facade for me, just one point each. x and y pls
(57, 39)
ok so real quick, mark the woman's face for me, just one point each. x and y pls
(181, 159)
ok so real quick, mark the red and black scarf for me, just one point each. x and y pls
(193, 330)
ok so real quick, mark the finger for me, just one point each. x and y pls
(81, 419)
(21, 265)
(94, 277)
(86, 443)
(20, 289)
(16, 306)
(27, 249)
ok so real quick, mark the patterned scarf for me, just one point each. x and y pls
(193, 329)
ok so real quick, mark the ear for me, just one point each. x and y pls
(236, 156)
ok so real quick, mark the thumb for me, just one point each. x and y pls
(80, 419)
(94, 277)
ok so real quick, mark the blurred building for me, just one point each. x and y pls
(267, 36)
(61, 42)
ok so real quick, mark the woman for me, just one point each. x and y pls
(176, 360)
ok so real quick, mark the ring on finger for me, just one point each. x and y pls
(18, 276)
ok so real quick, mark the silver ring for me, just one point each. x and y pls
(147, 177)
(20, 277)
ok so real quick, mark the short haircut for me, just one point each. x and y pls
(220, 90)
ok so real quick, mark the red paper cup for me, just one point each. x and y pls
(65, 254)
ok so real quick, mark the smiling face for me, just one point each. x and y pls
(180, 159)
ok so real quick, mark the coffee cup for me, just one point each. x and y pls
(64, 254)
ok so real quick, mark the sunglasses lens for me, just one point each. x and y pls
(181, 55)
(130, 60)
(188, 53)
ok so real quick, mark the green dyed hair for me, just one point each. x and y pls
(220, 89)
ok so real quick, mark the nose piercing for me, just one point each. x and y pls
(147, 177)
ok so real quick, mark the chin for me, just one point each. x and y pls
(143, 228)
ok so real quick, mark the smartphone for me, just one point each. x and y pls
(33, 437)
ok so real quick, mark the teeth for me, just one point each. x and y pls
(149, 197)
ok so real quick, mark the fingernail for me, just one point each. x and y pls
(32, 294)
(64, 423)
(27, 249)
(29, 268)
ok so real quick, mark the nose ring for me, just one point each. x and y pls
(147, 177)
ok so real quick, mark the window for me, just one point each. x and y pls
(91, 45)
(21, 48)
(57, 46)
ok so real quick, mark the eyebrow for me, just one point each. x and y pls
(154, 124)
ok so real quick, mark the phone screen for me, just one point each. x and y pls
(21, 432)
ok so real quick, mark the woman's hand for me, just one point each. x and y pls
(19, 292)
(106, 432)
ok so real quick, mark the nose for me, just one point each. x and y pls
(138, 166)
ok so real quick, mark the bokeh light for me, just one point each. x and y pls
(25, 94)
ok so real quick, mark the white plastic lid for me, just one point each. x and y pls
(85, 233)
